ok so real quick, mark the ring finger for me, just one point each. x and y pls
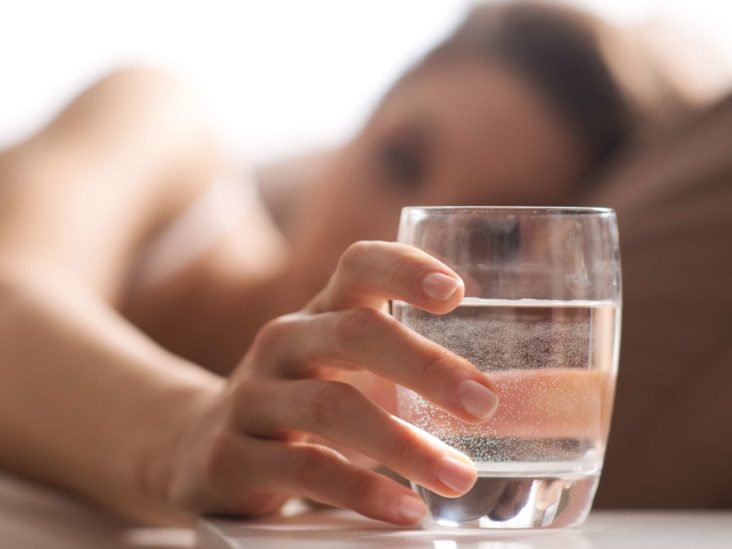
(343, 415)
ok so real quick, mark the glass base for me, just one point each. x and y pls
(516, 502)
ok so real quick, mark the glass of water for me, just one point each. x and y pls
(541, 318)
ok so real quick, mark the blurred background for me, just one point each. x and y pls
(280, 76)
(286, 77)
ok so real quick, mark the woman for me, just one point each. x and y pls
(112, 357)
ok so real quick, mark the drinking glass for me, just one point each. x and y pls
(541, 318)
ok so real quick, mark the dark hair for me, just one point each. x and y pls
(574, 60)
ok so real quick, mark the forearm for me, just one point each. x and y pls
(86, 401)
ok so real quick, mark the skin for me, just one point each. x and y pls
(129, 412)
(489, 140)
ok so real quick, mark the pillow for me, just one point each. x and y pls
(671, 440)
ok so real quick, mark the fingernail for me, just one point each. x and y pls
(456, 474)
(478, 400)
(439, 287)
(411, 509)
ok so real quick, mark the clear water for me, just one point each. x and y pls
(553, 365)
(545, 501)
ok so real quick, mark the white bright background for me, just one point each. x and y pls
(279, 75)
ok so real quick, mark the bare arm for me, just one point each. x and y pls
(91, 404)
(86, 401)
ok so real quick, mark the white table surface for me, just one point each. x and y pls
(37, 517)
(603, 529)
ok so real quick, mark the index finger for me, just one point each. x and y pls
(370, 273)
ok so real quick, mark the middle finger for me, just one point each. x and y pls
(297, 345)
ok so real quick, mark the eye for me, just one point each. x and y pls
(403, 163)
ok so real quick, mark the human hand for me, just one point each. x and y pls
(249, 450)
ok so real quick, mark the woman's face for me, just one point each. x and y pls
(467, 133)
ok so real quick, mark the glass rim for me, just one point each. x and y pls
(521, 210)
